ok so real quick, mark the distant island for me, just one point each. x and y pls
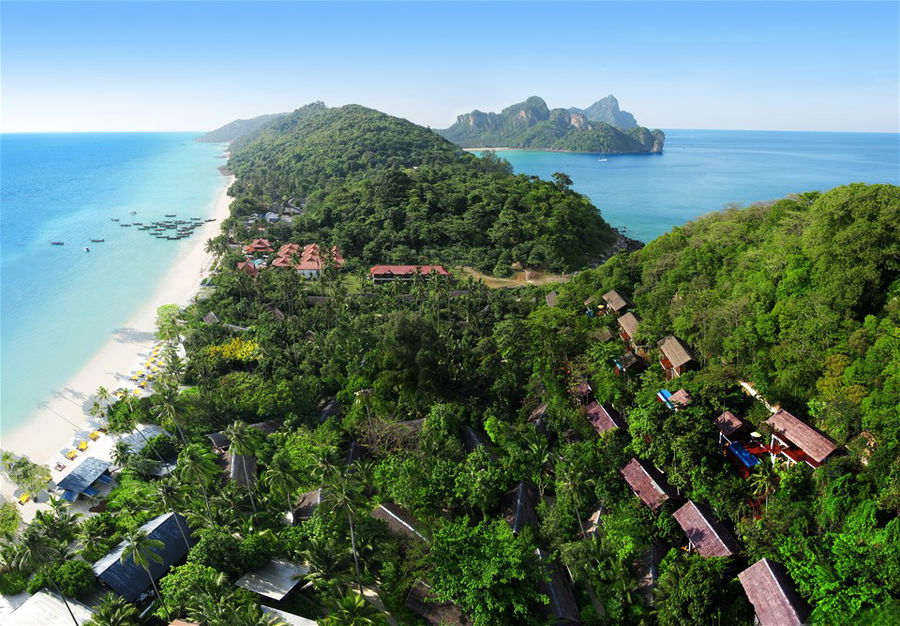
(601, 127)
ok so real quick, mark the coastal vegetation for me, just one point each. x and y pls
(385, 190)
(433, 433)
(602, 127)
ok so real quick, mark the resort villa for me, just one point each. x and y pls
(647, 483)
(674, 357)
(388, 273)
(797, 441)
(614, 304)
(772, 595)
(705, 535)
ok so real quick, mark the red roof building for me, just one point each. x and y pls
(704, 533)
(258, 246)
(772, 595)
(248, 268)
(647, 483)
(387, 273)
(799, 440)
(604, 418)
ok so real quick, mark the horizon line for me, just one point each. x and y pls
(201, 132)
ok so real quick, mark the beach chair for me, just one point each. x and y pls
(71, 454)
(25, 497)
(60, 466)
(82, 445)
(95, 435)
(143, 385)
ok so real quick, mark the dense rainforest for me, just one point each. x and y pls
(387, 191)
(465, 406)
(531, 124)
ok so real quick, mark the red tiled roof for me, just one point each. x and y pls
(647, 483)
(247, 266)
(603, 418)
(407, 270)
(708, 537)
(259, 245)
(772, 595)
(817, 446)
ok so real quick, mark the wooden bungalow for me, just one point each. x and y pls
(520, 506)
(628, 363)
(561, 610)
(674, 357)
(772, 595)
(388, 273)
(647, 483)
(628, 325)
(731, 428)
(798, 441)
(675, 401)
(603, 417)
(420, 601)
(130, 580)
(614, 304)
(583, 392)
(705, 534)
(399, 520)
(241, 469)
(220, 440)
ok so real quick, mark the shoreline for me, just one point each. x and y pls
(65, 417)
(559, 151)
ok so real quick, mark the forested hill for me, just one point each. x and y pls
(238, 128)
(386, 190)
(602, 127)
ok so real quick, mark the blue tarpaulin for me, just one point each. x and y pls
(663, 395)
(749, 460)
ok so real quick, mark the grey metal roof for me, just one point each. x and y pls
(287, 618)
(137, 440)
(45, 608)
(562, 608)
(519, 506)
(83, 475)
(398, 519)
(275, 580)
(129, 579)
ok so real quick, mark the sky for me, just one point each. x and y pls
(152, 66)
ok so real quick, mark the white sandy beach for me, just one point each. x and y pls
(65, 418)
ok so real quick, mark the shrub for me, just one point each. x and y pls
(218, 550)
(12, 582)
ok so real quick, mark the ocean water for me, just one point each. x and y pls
(701, 171)
(59, 304)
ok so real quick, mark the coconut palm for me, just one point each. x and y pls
(121, 453)
(243, 442)
(166, 408)
(114, 610)
(328, 568)
(197, 465)
(764, 481)
(281, 481)
(351, 609)
(141, 549)
(345, 495)
(170, 492)
(35, 551)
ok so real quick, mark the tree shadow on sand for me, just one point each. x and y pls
(130, 335)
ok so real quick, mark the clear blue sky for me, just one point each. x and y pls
(194, 66)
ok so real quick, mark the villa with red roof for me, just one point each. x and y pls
(258, 246)
(647, 483)
(705, 534)
(798, 441)
(387, 273)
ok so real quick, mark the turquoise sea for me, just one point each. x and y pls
(59, 304)
(703, 170)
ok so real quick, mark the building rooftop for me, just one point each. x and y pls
(562, 608)
(674, 351)
(408, 270)
(772, 595)
(519, 506)
(728, 423)
(706, 534)
(130, 580)
(629, 323)
(647, 483)
(603, 417)
(420, 601)
(45, 608)
(83, 475)
(615, 301)
(399, 520)
(814, 444)
(274, 580)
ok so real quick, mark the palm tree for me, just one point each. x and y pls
(121, 453)
(764, 481)
(351, 609)
(170, 493)
(242, 444)
(36, 551)
(114, 610)
(343, 494)
(572, 478)
(281, 480)
(140, 548)
(327, 567)
(166, 409)
(197, 464)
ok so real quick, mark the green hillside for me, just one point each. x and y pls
(386, 190)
